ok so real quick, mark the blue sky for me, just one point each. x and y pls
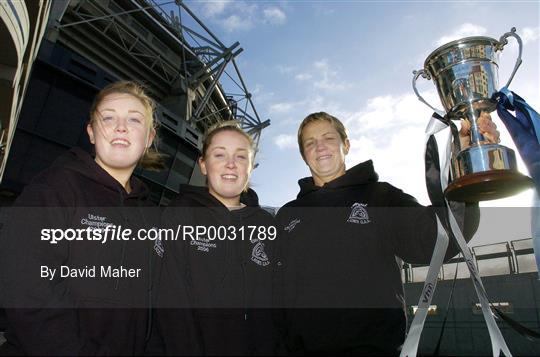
(354, 59)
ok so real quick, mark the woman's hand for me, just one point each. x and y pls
(486, 127)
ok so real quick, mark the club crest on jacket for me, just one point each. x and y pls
(359, 214)
(259, 256)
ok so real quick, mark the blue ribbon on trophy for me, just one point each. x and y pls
(466, 78)
(524, 127)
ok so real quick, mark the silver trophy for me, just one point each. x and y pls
(465, 74)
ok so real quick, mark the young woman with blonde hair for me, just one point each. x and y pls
(227, 269)
(79, 296)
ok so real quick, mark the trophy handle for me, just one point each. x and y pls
(425, 75)
(503, 41)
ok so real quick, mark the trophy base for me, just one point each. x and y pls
(488, 185)
(485, 172)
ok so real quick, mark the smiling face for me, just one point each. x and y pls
(227, 164)
(324, 151)
(121, 132)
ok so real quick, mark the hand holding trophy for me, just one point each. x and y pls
(486, 127)
(465, 74)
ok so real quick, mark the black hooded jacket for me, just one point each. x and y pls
(228, 281)
(104, 312)
(337, 274)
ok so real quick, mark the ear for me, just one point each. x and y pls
(202, 165)
(90, 132)
(150, 138)
(303, 158)
(347, 146)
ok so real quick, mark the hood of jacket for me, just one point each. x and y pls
(360, 174)
(199, 196)
(81, 162)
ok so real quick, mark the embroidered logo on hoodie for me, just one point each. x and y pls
(96, 221)
(158, 247)
(258, 255)
(291, 225)
(359, 214)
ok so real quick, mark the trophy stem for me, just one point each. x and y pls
(473, 115)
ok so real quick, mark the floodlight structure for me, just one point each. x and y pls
(187, 68)
(22, 26)
(87, 44)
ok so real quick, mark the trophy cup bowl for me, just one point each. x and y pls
(465, 73)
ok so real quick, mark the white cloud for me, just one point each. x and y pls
(362, 149)
(214, 8)
(281, 107)
(261, 94)
(329, 83)
(317, 103)
(274, 16)
(303, 76)
(239, 16)
(291, 113)
(242, 15)
(464, 30)
(285, 69)
(257, 89)
(237, 23)
(390, 129)
(285, 141)
(325, 78)
(322, 9)
(321, 64)
(244, 7)
(388, 112)
(397, 157)
(530, 34)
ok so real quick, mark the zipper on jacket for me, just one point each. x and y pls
(244, 282)
(150, 253)
(124, 242)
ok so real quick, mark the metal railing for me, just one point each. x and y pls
(503, 258)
